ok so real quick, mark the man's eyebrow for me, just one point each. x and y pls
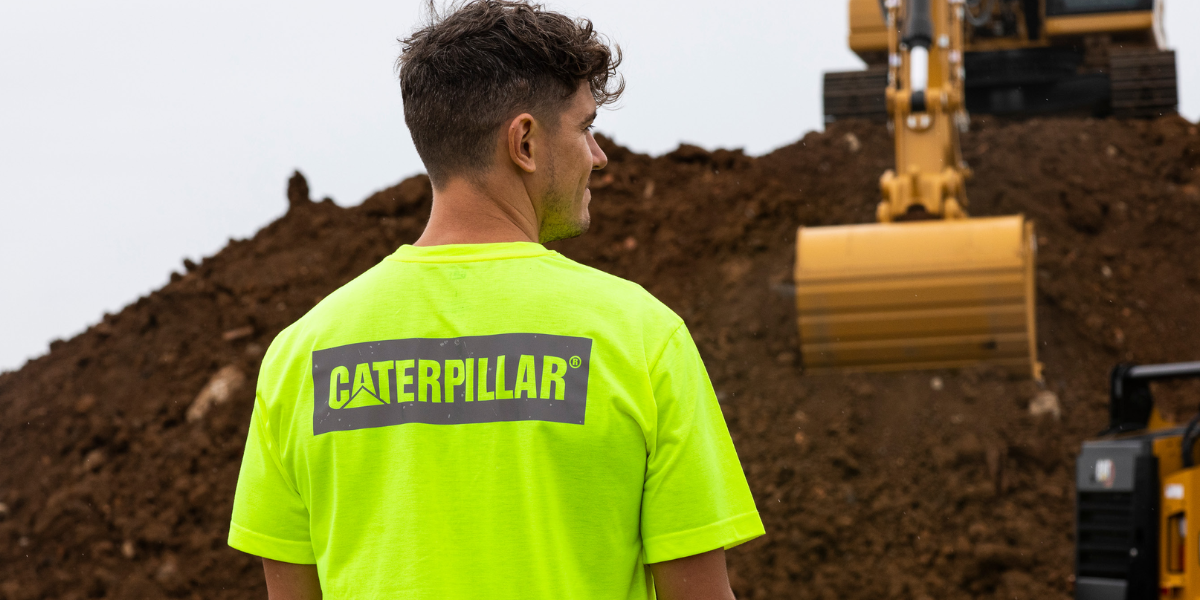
(590, 118)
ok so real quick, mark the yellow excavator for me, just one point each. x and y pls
(926, 286)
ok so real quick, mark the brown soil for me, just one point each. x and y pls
(870, 486)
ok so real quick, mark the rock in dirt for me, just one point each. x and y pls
(1045, 403)
(85, 403)
(219, 389)
(238, 333)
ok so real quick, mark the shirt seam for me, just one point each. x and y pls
(700, 528)
(252, 541)
(663, 350)
(450, 260)
(715, 529)
(252, 531)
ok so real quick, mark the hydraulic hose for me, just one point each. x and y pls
(918, 37)
(918, 25)
(1189, 441)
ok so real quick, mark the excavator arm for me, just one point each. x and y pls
(925, 287)
(925, 105)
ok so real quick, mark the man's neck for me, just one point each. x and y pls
(468, 213)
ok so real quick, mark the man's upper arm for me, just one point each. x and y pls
(287, 581)
(269, 516)
(695, 497)
(699, 577)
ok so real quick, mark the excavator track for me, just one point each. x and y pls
(1144, 83)
(856, 95)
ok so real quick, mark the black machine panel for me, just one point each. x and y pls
(1057, 8)
(1116, 520)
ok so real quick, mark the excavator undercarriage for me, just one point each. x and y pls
(1030, 57)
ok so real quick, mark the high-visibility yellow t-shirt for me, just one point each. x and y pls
(487, 421)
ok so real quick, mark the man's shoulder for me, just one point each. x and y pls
(604, 288)
(296, 341)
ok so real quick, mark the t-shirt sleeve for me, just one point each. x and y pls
(695, 498)
(269, 515)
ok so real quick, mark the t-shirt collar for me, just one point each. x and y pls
(453, 253)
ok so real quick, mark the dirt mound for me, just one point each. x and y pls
(121, 447)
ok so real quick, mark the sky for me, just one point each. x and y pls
(135, 134)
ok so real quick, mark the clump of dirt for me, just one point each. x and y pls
(122, 445)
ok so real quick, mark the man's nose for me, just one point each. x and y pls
(599, 159)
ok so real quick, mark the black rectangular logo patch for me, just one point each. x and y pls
(450, 381)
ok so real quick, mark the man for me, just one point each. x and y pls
(478, 417)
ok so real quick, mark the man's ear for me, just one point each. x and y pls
(521, 143)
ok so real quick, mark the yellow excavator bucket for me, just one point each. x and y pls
(917, 295)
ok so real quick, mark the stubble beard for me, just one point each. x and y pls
(563, 216)
(562, 220)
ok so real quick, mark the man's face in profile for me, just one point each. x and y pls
(574, 154)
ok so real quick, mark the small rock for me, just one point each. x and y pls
(237, 334)
(937, 384)
(630, 243)
(1001, 555)
(85, 403)
(93, 460)
(220, 388)
(995, 455)
(167, 571)
(128, 550)
(1106, 271)
(863, 390)
(801, 440)
(1045, 403)
(1111, 151)
(254, 350)
(23, 542)
(4, 512)
(852, 142)
(648, 193)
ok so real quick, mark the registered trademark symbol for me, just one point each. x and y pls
(575, 362)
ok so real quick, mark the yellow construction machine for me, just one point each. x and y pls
(1137, 487)
(1024, 57)
(926, 286)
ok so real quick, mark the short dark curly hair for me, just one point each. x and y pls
(486, 61)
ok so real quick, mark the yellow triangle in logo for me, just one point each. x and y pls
(363, 397)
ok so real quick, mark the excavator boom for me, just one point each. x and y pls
(926, 286)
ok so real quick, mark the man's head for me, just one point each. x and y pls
(511, 86)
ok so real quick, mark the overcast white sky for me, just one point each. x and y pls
(134, 134)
